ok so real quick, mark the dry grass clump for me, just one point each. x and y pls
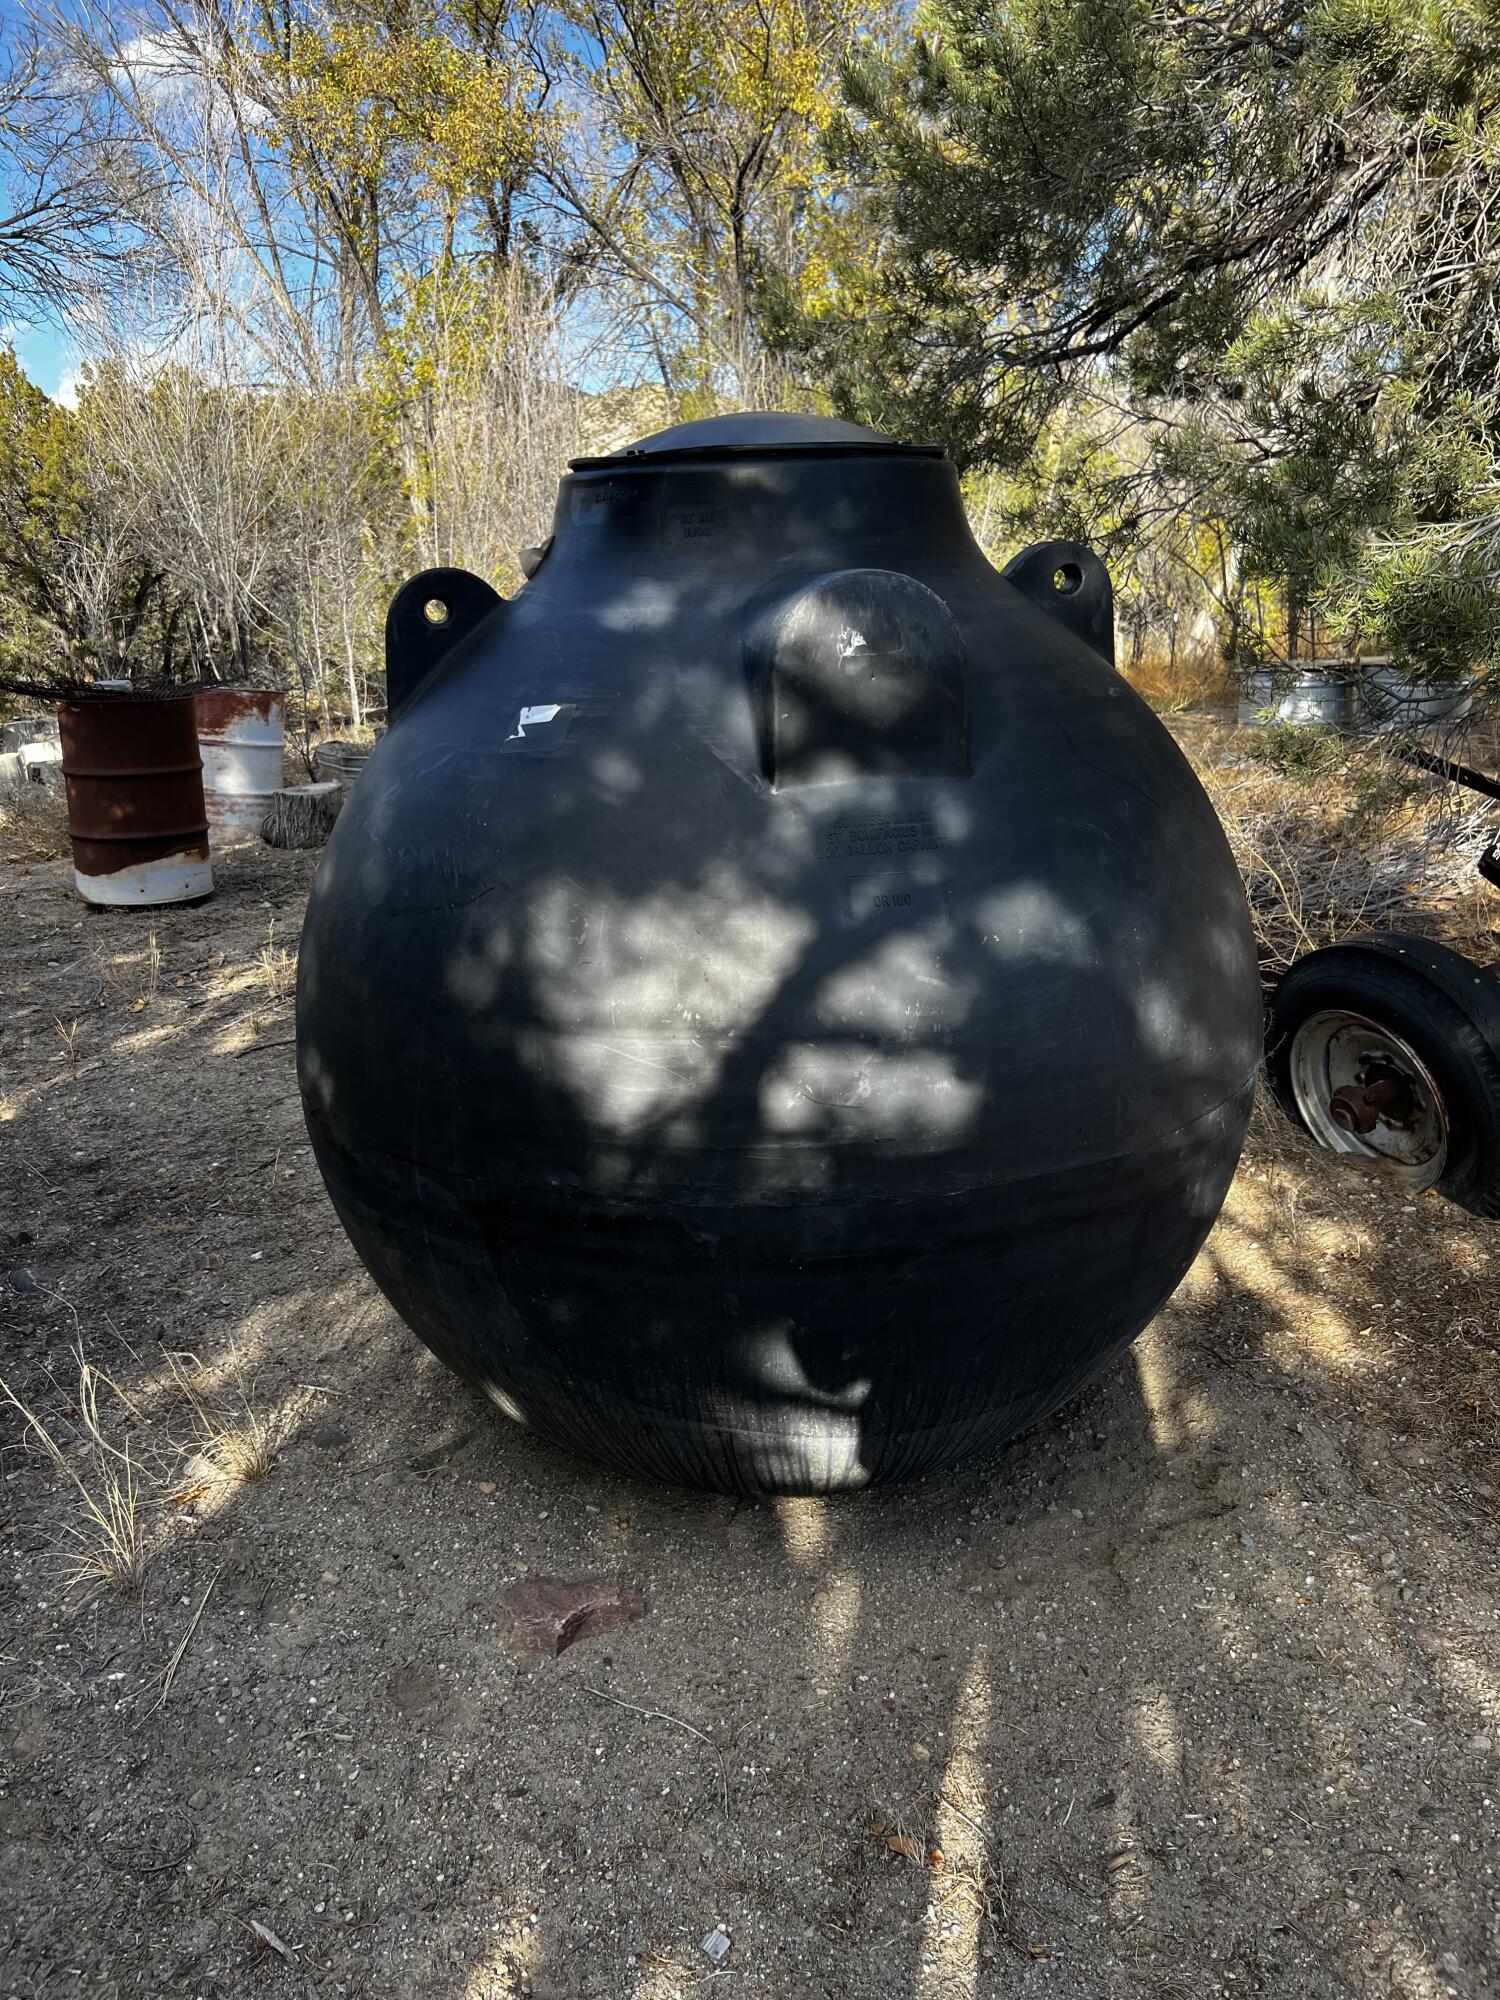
(1176, 681)
(130, 1471)
(109, 1541)
(33, 823)
(1366, 842)
(278, 969)
(233, 1438)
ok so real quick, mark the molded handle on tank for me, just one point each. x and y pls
(428, 616)
(1071, 584)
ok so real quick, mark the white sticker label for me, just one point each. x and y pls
(546, 712)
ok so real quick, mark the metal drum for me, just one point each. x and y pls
(1311, 698)
(1392, 699)
(135, 798)
(242, 734)
(340, 761)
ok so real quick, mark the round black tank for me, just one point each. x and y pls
(777, 1011)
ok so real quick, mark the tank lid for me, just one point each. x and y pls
(757, 434)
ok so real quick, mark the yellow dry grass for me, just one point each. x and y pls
(107, 1540)
(233, 1436)
(130, 1471)
(33, 823)
(1370, 843)
(1174, 683)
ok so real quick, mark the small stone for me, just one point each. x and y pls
(1481, 1743)
(1388, 1560)
(22, 1279)
(487, 1488)
(920, 1752)
(1247, 1540)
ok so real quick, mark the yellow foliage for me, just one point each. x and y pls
(723, 103)
(358, 97)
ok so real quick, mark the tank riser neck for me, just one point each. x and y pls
(764, 511)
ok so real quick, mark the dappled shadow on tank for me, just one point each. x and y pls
(790, 1135)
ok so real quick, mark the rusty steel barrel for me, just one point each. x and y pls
(135, 798)
(241, 733)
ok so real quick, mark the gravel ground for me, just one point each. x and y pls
(1194, 1690)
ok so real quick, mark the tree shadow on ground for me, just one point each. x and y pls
(1184, 1687)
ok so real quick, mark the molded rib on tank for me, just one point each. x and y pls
(858, 672)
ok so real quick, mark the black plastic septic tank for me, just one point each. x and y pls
(777, 1011)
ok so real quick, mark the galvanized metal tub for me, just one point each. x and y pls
(1311, 698)
(1392, 699)
(135, 798)
(335, 758)
(242, 733)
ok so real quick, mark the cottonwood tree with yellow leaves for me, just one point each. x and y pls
(416, 241)
(696, 175)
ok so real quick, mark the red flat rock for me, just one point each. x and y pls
(549, 1614)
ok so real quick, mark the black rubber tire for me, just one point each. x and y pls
(1444, 1006)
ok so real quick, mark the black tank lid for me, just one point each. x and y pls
(756, 434)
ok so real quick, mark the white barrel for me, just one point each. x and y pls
(242, 734)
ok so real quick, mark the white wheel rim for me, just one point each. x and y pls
(1336, 1058)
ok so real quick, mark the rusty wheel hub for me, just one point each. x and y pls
(1361, 1088)
(1360, 1107)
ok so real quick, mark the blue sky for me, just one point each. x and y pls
(42, 347)
(44, 352)
(42, 343)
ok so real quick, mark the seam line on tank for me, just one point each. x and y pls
(1066, 1166)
